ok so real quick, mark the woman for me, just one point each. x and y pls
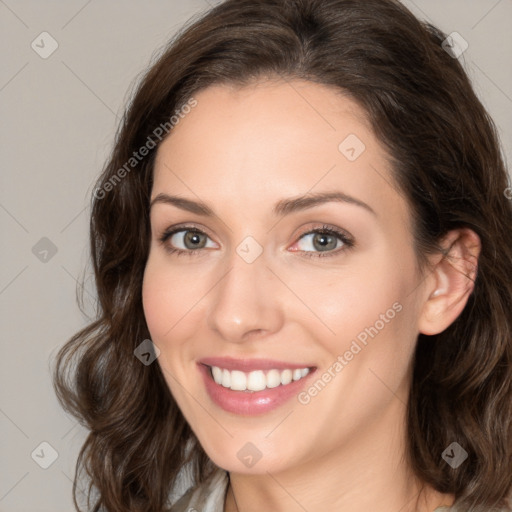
(302, 255)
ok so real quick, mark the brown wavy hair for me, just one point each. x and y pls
(447, 162)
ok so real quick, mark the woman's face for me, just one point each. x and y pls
(265, 295)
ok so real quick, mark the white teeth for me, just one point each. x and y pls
(238, 381)
(286, 377)
(217, 374)
(273, 379)
(256, 380)
(226, 378)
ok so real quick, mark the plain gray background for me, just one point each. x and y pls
(59, 116)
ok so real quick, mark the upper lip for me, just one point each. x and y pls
(248, 365)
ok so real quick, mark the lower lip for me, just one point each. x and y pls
(251, 403)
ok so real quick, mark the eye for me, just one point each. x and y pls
(189, 240)
(324, 241)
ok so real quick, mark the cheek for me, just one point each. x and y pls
(155, 302)
(163, 309)
(168, 296)
(348, 300)
(159, 300)
(372, 317)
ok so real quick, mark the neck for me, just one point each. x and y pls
(368, 473)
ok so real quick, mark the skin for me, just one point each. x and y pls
(241, 150)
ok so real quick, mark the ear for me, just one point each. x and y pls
(451, 281)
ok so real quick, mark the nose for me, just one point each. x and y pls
(246, 301)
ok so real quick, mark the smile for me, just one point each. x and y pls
(252, 387)
(256, 380)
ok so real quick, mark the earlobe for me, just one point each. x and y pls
(451, 282)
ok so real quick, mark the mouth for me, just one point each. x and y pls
(251, 387)
(256, 380)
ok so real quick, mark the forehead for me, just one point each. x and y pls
(250, 146)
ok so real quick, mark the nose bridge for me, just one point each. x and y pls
(245, 300)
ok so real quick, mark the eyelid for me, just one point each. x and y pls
(183, 227)
(169, 232)
(348, 241)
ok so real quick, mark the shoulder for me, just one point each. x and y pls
(206, 497)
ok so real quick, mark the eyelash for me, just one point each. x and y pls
(348, 242)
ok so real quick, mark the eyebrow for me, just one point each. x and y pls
(281, 208)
